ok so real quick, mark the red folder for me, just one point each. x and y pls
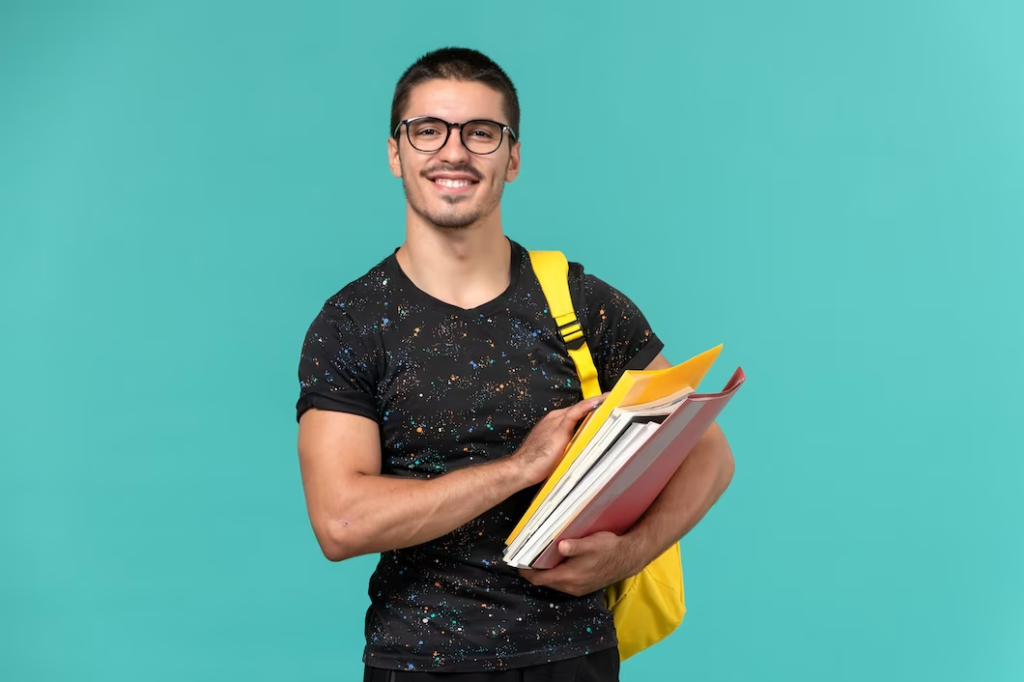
(631, 491)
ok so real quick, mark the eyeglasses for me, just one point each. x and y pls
(428, 134)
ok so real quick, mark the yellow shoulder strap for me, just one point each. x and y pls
(552, 270)
(649, 606)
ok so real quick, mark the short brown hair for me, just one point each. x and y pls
(456, 63)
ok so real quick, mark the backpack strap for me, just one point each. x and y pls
(552, 270)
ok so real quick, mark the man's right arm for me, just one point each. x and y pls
(355, 510)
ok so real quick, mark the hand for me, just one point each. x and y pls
(592, 563)
(543, 448)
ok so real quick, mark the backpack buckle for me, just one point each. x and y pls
(572, 334)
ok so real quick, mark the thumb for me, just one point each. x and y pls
(598, 542)
(568, 548)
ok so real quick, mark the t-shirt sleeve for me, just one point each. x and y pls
(337, 366)
(618, 334)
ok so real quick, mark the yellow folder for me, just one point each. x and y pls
(634, 387)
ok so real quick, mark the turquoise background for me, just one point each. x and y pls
(833, 191)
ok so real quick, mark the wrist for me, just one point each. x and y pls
(513, 474)
(639, 548)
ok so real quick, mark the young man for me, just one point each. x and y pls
(436, 396)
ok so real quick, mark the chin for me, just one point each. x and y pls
(455, 212)
(450, 214)
(454, 221)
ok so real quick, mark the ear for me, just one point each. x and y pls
(394, 160)
(512, 171)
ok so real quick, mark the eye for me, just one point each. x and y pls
(483, 130)
(426, 128)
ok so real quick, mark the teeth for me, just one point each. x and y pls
(445, 182)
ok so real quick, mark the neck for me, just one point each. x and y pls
(465, 267)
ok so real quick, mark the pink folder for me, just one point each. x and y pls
(630, 491)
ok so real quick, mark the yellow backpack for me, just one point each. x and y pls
(650, 605)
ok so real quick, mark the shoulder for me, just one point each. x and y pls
(361, 299)
(348, 320)
(620, 336)
(592, 292)
(362, 291)
(341, 359)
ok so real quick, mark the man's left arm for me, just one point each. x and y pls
(599, 560)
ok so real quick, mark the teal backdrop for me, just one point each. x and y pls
(834, 191)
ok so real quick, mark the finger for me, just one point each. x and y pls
(562, 578)
(533, 577)
(580, 409)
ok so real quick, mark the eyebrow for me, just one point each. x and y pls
(445, 118)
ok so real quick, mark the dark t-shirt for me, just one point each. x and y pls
(452, 388)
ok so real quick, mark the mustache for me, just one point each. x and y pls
(454, 168)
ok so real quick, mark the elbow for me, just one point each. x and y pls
(726, 463)
(338, 542)
(728, 469)
(334, 552)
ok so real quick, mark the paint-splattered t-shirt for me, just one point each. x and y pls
(452, 388)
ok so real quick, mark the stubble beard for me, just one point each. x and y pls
(451, 217)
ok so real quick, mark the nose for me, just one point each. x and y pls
(453, 150)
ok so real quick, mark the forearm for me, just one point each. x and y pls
(690, 493)
(382, 513)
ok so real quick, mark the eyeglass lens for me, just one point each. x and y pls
(480, 137)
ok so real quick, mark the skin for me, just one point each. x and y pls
(455, 250)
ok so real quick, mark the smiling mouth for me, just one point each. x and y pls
(454, 185)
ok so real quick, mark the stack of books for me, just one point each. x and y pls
(620, 458)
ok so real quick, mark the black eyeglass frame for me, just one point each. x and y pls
(448, 133)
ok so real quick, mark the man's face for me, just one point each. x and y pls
(454, 187)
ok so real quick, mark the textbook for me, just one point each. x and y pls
(620, 458)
